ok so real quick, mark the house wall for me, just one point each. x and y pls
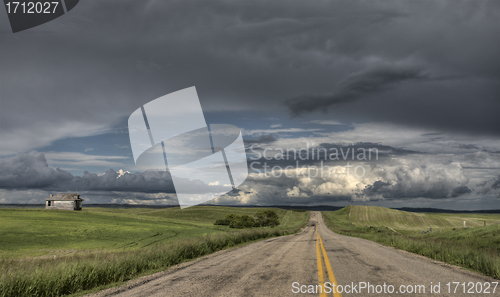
(67, 205)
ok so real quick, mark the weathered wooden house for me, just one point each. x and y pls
(67, 201)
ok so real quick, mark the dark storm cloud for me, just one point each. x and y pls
(378, 149)
(401, 190)
(263, 139)
(27, 171)
(369, 81)
(328, 152)
(468, 146)
(490, 187)
(147, 182)
(86, 71)
(432, 134)
(30, 171)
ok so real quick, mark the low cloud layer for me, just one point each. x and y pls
(398, 136)
(25, 171)
(31, 171)
(411, 180)
(490, 187)
(404, 177)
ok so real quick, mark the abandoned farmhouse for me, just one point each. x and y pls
(67, 201)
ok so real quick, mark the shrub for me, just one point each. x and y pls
(244, 221)
(227, 220)
(267, 218)
(263, 218)
(222, 222)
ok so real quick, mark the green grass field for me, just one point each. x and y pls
(39, 232)
(101, 246)
(408, 221)
(476, 247)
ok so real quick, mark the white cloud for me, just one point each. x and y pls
(271, 131)
(295, 192)
(121, 172)
(325, 122)
(408, 177)
(63, 159)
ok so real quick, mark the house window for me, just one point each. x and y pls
(48, 203)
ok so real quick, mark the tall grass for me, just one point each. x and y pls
(55, 277)
(476, 248)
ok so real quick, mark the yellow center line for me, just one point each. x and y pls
(331, 276)
(321, 273)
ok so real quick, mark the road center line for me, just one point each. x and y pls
(331, 276)
(321, 274)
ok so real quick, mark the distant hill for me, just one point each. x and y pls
(304, 207)
(411, 209)
(403, 220)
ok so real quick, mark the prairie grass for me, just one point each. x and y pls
(40, 232)
(476, 248)
(44, 277)
(81, 271)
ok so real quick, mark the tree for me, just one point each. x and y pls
(227, 220)
(263, 218)
(244, 221)
(267, 218)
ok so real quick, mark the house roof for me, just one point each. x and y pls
(65, 196)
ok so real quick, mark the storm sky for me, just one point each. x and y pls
(419, 80)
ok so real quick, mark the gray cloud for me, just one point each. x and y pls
(148, 182)
(407, 186)
(266, 138)
(490, 187)
(468, 146)
(426, 65)
(30, 171)
(374, 79)
(328, 152)
(80, 74)
(405, 177)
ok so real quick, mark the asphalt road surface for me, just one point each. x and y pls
(307, 263)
